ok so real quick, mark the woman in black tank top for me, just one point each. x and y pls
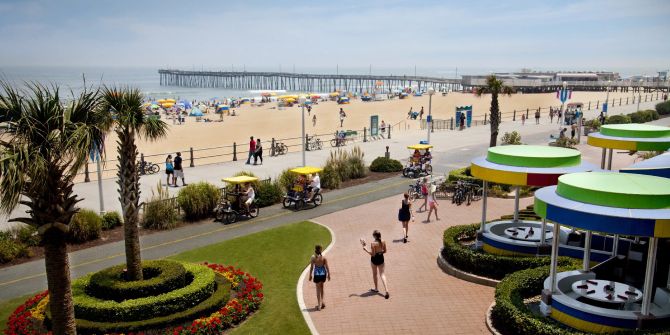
(377, 251)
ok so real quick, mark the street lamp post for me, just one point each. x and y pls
(563, 96)
(639, 95)
(429, 120)
(607, 99)
(301, 101)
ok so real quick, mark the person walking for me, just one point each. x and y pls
(259, 152)
(318, 265)
(537, 117)
(523, 119)
(421, 113)
(342, 116)
(432, 203)
(573, 129)
(409, 114)
(377, 251)
(424, 193)
(169, 169)
(314, 120)
(551, 115)
(404, 215)
(383, 127)
(462, 121)
(252, 149)
(178, 170)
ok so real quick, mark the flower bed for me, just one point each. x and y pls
(245, 298)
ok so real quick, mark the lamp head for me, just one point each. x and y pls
(431, 91)
(301, 100)
(565, 84)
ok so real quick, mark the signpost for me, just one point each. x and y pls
(374, 125)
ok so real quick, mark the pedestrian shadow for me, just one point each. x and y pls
(400, 240)
(309, 310)
(367, 294)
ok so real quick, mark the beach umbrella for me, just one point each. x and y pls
(171, 100)
(168, 104)
(196, 112)
(154, 106)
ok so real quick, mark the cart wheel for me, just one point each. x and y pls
(318, 199)
(429, 169)
(231, 217)
(155, 168)
(286, 203)
(333, 143)
(253, 210)
(299, 204)
(404, 172)
(218, 215)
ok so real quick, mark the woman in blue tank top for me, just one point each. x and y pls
(319, 267)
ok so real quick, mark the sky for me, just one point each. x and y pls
(548, 34)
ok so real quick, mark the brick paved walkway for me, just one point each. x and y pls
(424, 300)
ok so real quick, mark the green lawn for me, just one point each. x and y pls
(276, 257)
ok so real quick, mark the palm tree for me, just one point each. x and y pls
(494, 86)
(125, 105)
(43, 143)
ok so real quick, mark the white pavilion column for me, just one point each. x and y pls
(602, 161)
(554, 257)
(543, 233)
(649, 276)
(586, 267)
(516, 204)
(615, 245)
(484, 196)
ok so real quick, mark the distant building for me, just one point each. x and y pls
(528, 77)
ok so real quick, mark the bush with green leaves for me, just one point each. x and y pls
(201, 286)
(484, 264)
(198, 200)
(594, 124)
(286, 179)
(159, 211)
(383, 164)
(269, 193)
(160, 276)
(330, 178)
(27, 235)
(512, 138)
(566, 142)
(86, 225)
(643, 116)
(111, 220)
(463, 174)
(663, 108)
(10, 248)
(618, 119)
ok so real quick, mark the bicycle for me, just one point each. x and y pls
(280, 148)
(147, 168)
(338, 142)
(313, 143)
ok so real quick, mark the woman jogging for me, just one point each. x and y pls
(319, 267)
(377, 251)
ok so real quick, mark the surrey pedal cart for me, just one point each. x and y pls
(305, 189)
(419, 163)
(238, 199)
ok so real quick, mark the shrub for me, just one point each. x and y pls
(593, 124)
(161, 276)
(356, 164)
(201, 287)
(663, 108)
(566, 142)
(643, 116)
(159, 212)
(464, 175)
(86, 225)
(10, 249)
(286, 179)
(330, 178)
(618, 119)
(383, 164)
(484, 264)
(512, 138)
(27, 235)
(198, 200)
(269, 193)
(111, 220)
(648, 154)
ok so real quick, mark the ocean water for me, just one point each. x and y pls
(147, 79)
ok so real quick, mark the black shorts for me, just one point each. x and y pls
(169, 172)
(319, 279)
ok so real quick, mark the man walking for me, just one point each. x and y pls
(537, 117)
(252, 149)
(421, 113)
(178, 170)
(342, 116)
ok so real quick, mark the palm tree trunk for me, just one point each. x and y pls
(495, 119)
(58, 281)
(129, 188)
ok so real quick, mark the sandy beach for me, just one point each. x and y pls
(268, 121)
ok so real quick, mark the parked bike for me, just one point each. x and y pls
(280, 148)
(313, 143)
(147, 167)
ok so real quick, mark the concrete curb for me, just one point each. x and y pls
(305, 273)
(450, 270)
(489, 321)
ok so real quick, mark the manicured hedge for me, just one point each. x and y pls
(383, 164)
(511, 316)
(663, 108)
(90, 308)
(464, 175)
(161, 277)
(211, 304)
(618, 119)
(484, 264)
